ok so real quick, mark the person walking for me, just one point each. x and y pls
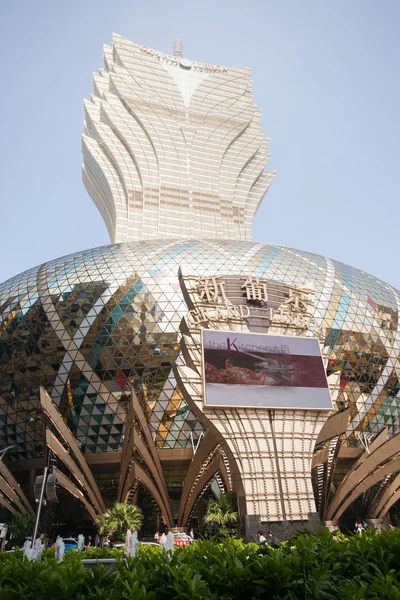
(270, 538)
(359, 527)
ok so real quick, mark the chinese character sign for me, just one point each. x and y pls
(255, 289)
(211, 290)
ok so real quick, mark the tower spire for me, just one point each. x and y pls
(178, 48)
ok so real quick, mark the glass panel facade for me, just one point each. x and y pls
(90, 325)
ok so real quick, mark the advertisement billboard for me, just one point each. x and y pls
(260, 370)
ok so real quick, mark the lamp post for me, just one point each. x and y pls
(40, 504)
(47, 458)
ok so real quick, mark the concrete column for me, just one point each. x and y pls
(331, 525)
(252, 527)
(375, 523)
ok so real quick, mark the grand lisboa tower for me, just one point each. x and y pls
(102, 352)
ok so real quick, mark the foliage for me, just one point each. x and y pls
(320, 567)
(94, 552)
(20, 526)
(221, 517)
(119, 518)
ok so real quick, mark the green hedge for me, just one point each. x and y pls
(307, 567)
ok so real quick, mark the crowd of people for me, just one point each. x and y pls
(360, 526)
(269, 538)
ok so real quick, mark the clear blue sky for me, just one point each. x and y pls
(326, 76)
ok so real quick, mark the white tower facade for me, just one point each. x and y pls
(173, 148)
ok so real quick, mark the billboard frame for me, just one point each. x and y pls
(264, 335)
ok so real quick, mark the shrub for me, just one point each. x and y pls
(317, 567)
(20, 526)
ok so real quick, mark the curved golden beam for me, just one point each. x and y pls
(187, 381)
(15, 488)
(70, 487)
(333, 426)
(385, 501)
(59, 450)
(206, 446)
(127, 449)
(344, 501)
(162, 488)
(137, 436)
(64, 431)
(361, 471)
(383, 510)
(146, 432)
(138, 473)
(8, 491)
(8, 506)
(202, 481)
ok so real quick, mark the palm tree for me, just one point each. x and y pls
(119, 518)
(222, 514)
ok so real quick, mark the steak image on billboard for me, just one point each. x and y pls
(260, 370)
